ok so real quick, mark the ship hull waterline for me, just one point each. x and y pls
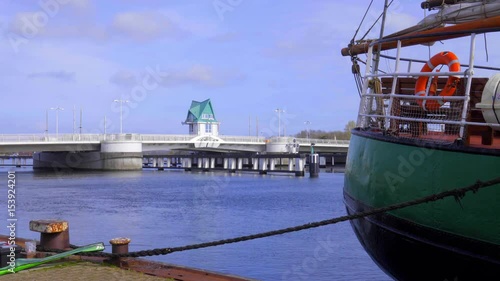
(444, 240)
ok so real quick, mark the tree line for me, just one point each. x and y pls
(320, 134)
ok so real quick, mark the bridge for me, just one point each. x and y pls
(125, 151)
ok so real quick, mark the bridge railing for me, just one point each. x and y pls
(156, 138)
(51, 138)
(307, 141)
(167, 137)
(243, 139)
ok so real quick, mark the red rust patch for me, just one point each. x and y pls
(48, 226)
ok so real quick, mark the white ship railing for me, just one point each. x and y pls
(376, 109)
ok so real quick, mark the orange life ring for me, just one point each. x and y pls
(443, 58)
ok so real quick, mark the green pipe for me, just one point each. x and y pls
(22, 264)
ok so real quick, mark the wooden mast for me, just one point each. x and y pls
(422, 37)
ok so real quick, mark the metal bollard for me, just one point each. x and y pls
(54, 234)
(119, 245)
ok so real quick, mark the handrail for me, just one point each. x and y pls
(424, 61)
(97, 138)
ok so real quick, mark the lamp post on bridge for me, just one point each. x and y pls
(121, 113)
(57, 109)
(307, 129)
(46, 122)
(279, 110)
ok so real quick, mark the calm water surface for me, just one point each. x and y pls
(175, 208)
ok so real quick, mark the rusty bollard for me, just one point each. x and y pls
(54, 234)
(119, 245)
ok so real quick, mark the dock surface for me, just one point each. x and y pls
(80, 270)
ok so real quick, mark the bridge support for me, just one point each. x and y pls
(299, 167)
(263, 165)
(160, 163)
(272, 164)
(114, 156)
(187, 164)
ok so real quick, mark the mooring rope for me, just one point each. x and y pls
(458, 194)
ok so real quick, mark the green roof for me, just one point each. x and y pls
(201, 112)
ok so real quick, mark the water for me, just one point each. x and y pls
(174, 208)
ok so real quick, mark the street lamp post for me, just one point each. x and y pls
(121, 113)
(279, 110)
(46, 122)
(57, 109)
(307, 128)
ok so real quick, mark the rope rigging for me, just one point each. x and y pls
(457, 193)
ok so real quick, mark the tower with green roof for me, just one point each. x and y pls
(201, 119)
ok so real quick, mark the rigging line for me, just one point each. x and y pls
(428, 45)
(486, 47)
(457, 193)
(371, 27)
(381, 71)
(357, 85)
(362, 20)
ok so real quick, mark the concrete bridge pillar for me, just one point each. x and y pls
(113, 156)
(232, 163)
(160, 162)
(263, 164)
(212, 163)
(290, 164)
(168, 163)
(187, 163)
(240, 164)
(272, 164)
(225, 164)
(255, 163)
(155, 164)
(299, 167)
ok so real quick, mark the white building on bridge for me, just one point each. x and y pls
(201, 119)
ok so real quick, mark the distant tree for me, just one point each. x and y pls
(320, 134)
(349, 126)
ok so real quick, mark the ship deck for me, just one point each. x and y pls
(475, 141)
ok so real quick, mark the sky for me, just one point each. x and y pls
(250, 57)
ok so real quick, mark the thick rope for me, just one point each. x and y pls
(458, 194)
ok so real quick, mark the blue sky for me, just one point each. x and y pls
(248, 56)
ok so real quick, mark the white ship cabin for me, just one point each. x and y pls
(201, 119)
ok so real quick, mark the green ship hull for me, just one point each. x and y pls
(448, 239)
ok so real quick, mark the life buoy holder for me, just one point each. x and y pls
(443, 58)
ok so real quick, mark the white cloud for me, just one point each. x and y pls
(124, 78)
(81, 4)
(138, 26)
(28, 24)
(225, 37)
(200, 75)
(62, 75)
(144, 25)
